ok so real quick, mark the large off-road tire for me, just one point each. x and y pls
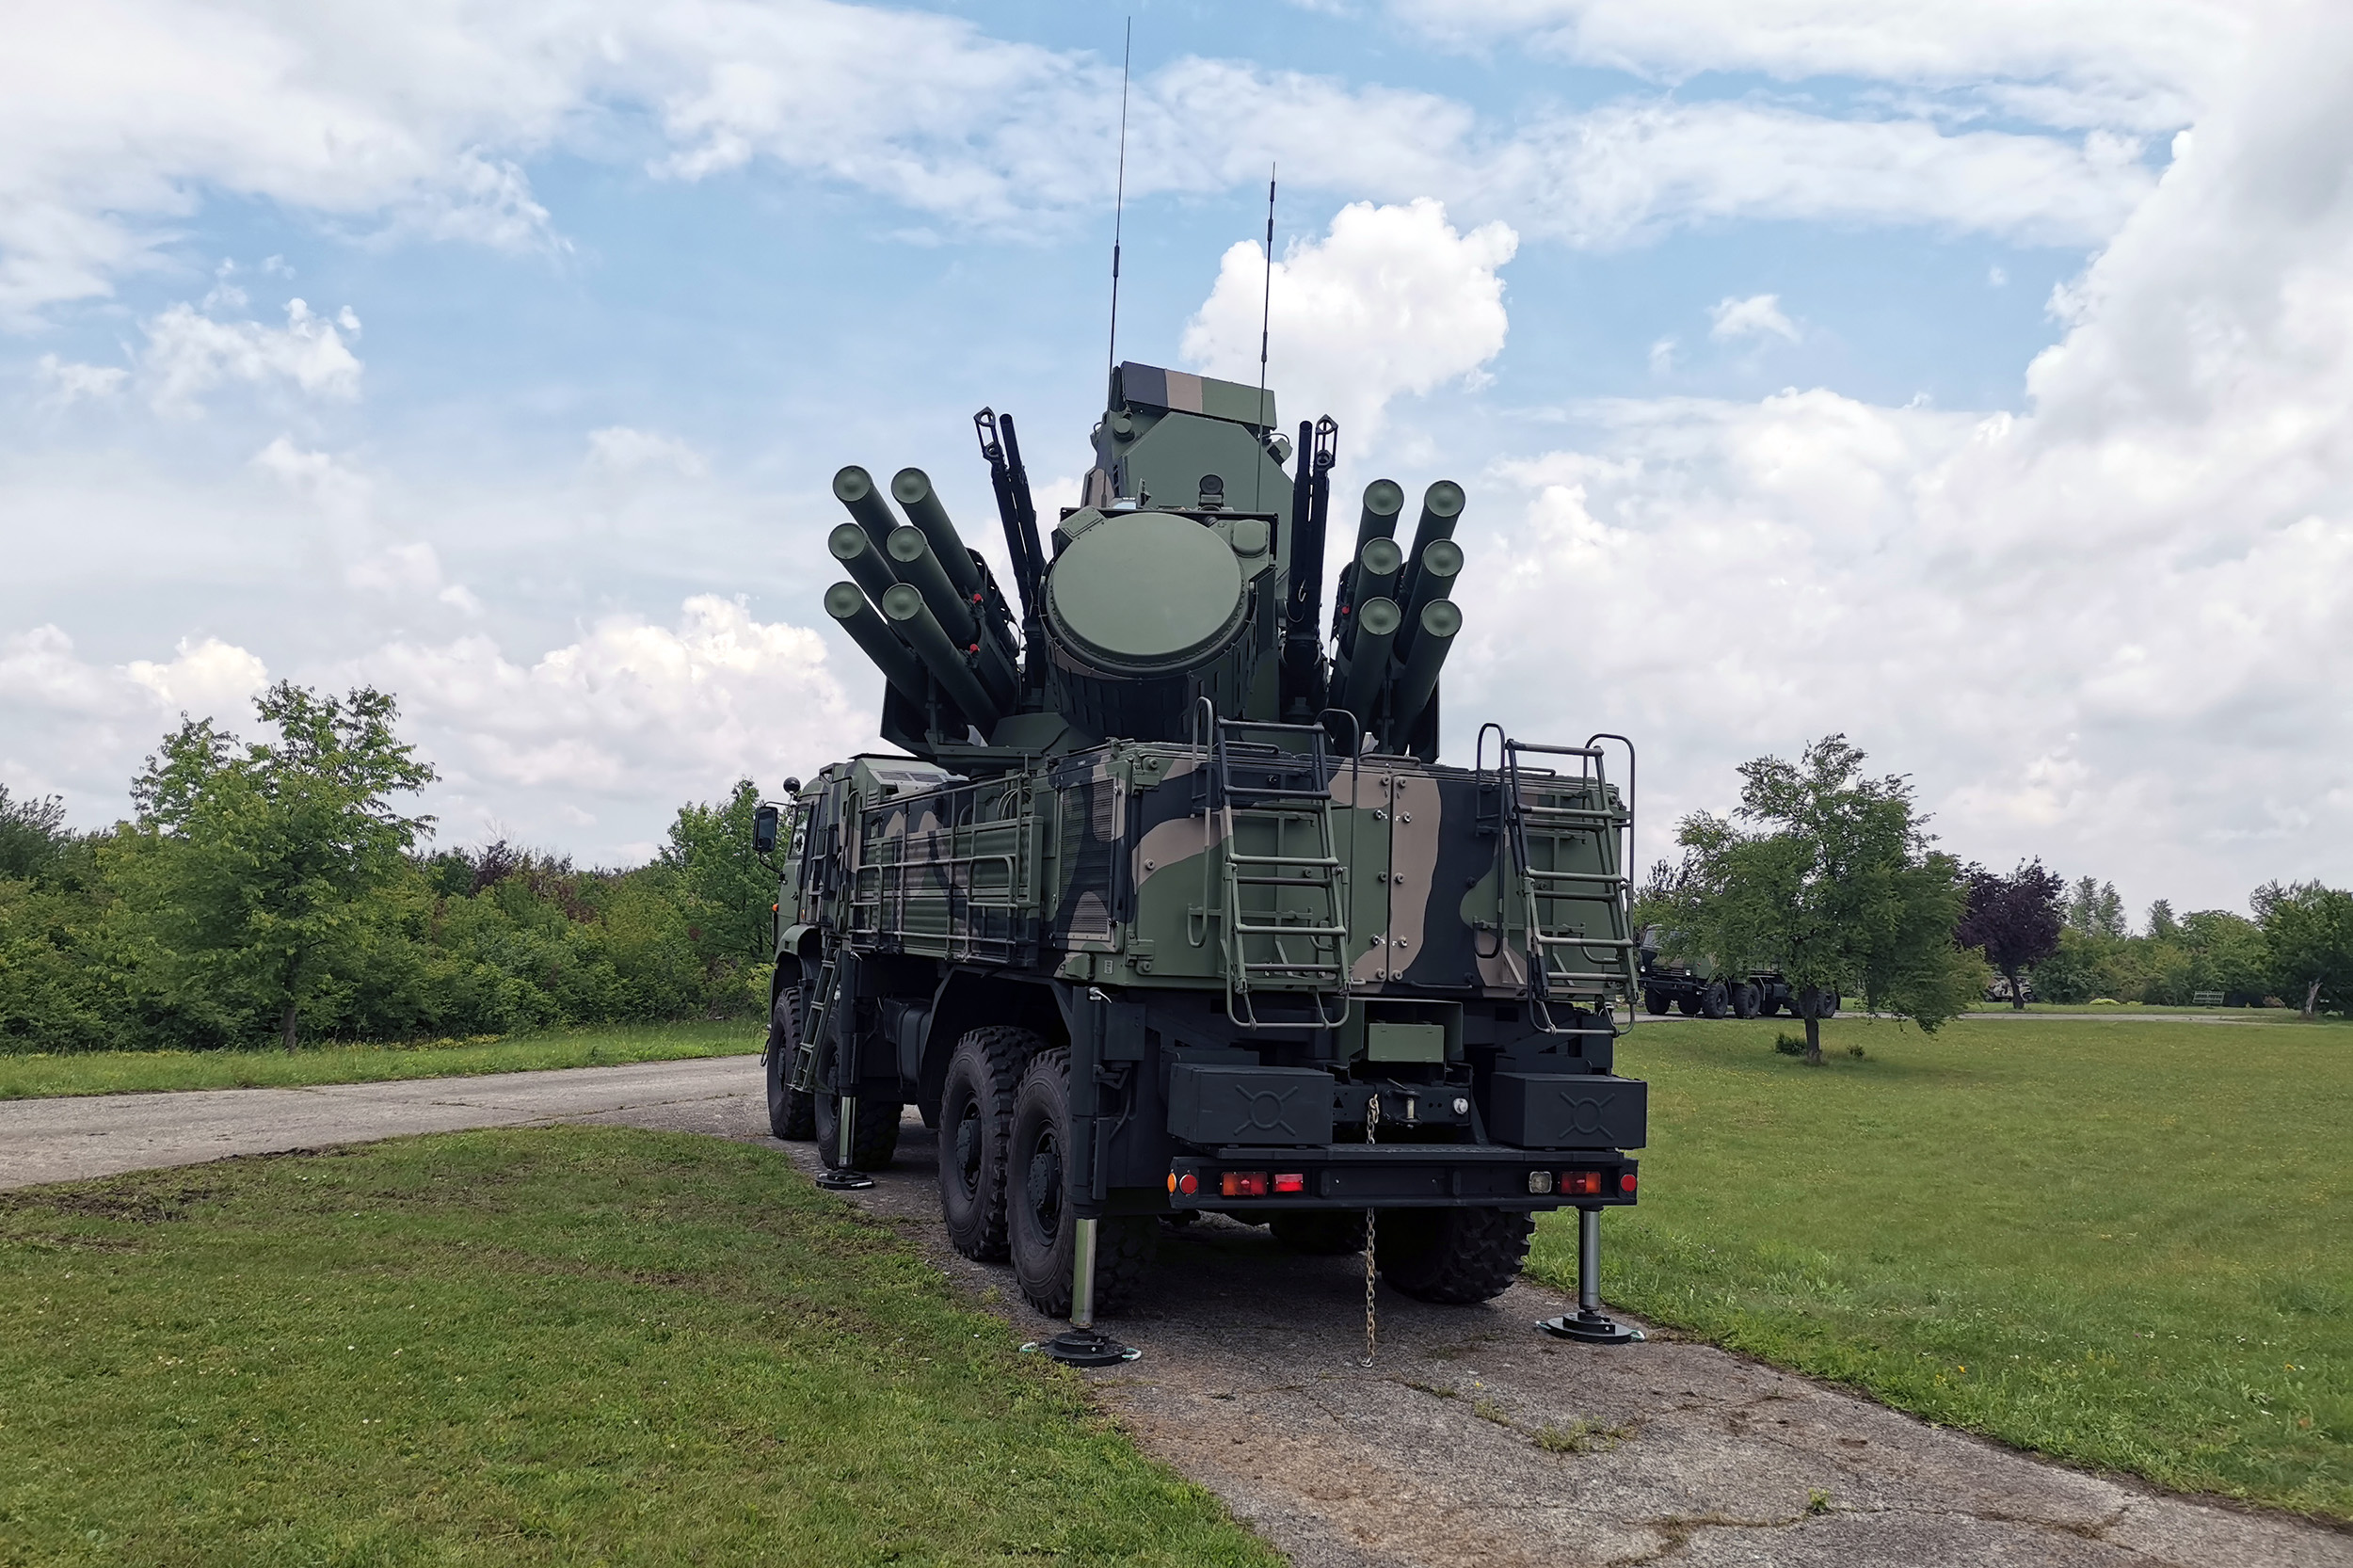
(1744, 1001)
(871, 1142)
(1715, 1001)
(1453, 1257)
(1323, 1232)
(976, 1130)
(792, 1113)
(1688, 1006)
(1042, 1228)
(1656, 1003)
(1769, 1005)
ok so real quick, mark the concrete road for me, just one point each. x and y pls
(1473, 1440)
(65, 1140)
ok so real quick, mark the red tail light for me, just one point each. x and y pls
(1581, 1184)
(1626, 1182)
(1291, 1181)
(1187, 1184)
(1243, 1184)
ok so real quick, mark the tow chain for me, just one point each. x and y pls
(1373, 1318)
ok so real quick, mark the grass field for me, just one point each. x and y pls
(565, 1345)
(2129, 1246)
(125, 1072)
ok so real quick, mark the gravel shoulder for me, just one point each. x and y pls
(1473, 1439)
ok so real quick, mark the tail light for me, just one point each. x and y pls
(1581, 1184)
(1540, 1181)
(1626, 1182)
(1187, 1184)
(1291, 1181)
(1243, 1184)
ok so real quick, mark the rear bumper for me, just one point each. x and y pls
(1403, 1175)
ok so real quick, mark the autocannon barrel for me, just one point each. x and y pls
(854, 488)
(904, 605)
(1433, 579)
(913, 489)
(846, 604)
(914, 560)
(862, 559)
(1434, 635)
(1377, 620)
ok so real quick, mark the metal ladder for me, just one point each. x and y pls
(820, 1019)
(1559, 959)
(1280, 947)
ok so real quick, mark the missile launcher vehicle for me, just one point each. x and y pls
(1167, 904)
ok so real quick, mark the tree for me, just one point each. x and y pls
(2309, 930)
(32, 835)
(255, 864)
(2014, 920)
(2162, 923)
(729, 892)
(1835, 885)
(2096, 910)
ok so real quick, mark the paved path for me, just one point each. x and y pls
(1676, 1452)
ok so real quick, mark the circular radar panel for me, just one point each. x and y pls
(1147, 592)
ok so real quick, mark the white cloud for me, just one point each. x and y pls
(208, 677)
(2115, 630)
(1758, 316)
(619, 450)
(339, 492)
(75, 728)
(1391, 300)
(69, 383)
(631, 713)
(400, 122)
(2144, 64)
(189, 354)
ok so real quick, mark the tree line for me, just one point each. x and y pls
(273, 890)
(1827, 874)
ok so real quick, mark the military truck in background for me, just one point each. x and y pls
(1696, 990)
(1170, 907)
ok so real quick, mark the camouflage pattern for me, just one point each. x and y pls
(1135, 833)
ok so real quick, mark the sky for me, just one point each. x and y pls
(1969, 380)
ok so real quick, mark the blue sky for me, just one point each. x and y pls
(1724, 313)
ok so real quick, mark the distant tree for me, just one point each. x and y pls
(1834, 884)
(2309, 932)
(2094, 910)
(253, 865)
(2015, 920)
(2163, 925)
(729, 892)
(32, 834)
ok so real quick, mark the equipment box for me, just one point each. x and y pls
(1561, 1110)
(1214, 1105)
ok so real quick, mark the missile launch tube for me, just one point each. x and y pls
(1383, 500)
(862, 559)
(1377, 567)
(912, 487)
(1441, 505)
(913, 559)
(904, 605)
(1439, 622)
(854, 488)
(865, 627)
(1441, 563)
(1377, 621)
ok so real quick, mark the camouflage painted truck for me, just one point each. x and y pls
(1168, 907)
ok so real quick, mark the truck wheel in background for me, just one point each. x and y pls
(1041, 1226)
(874, 1138)
(1655, 1002)
(1453, 1257)
(792, 1113)
(1688, 1006)
(1770, 1005)
(1714, 1002)
(975, 1130)
(1744, 1002)
(1321, 1232)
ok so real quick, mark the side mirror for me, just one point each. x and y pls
(765, 830)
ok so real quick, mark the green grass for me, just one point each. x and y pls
(567, 1345)
(122, 1072)
(2124, 1246)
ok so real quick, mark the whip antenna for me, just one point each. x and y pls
(1119, 200)
(1266, 309)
